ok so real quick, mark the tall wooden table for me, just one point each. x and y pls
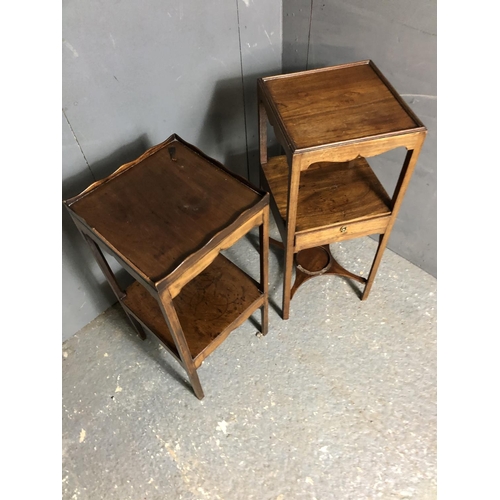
(323, 190)
(165, 218)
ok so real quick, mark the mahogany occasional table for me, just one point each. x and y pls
(328, 122)
(165, 218)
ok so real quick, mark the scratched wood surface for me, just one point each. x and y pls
(205, 306)
(165, 208)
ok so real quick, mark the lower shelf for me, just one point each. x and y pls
(329, 193)
(209, 307)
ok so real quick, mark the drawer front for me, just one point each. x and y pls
(340, 232)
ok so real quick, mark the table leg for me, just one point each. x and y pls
(169, 313)
(264, 269)
(291, 219)
(108, 273)
(399, 192)
(287, 280)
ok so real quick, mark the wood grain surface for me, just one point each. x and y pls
(329, 193)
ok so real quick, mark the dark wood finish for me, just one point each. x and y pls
(170, 315)
(166, 217)
(335, 105)
(264, 270)
(149, 208)
(318, 261)
(329, 193)
(210, 302)
(106, 270)
(323, 190)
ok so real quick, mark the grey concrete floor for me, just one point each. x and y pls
(338, 402)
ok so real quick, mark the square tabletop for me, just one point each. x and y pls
(162, 208)
(336, 104)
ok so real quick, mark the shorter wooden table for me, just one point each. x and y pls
(165, 218)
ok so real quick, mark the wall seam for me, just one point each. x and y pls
(81, 150)
(309, 35)
(243, 89)
(282, 23)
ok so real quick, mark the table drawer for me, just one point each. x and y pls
(340, 232)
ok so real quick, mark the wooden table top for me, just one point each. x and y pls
(165, 206)
(337, 104)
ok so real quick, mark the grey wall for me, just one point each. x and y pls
(400, 37)
(136, 72)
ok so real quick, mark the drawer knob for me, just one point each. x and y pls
(343, 229)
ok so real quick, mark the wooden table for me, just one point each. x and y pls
(328, 121)
(165, 218)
